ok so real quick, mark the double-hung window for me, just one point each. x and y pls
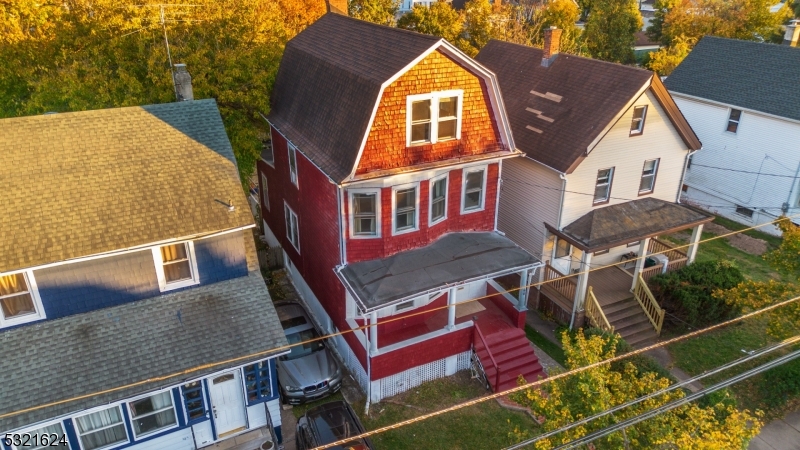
(637, 123)
(152, 414)
(563, 248)
(433, 117)
(649, 172)
(365, 212)
(264, 191)
(474, 189)
(602, 188)
(292, 231)
(293, 164)
(733, 120)
(19, 299)
(45, 437)
(257, 381)
(193, 401)
(101, 429)
(406, 215)
(267, 154)
(176, 266)
(438, 188)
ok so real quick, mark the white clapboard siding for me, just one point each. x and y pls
(177, 440)
(627, 155)
(274, 407)
(761, 143)
(530, 196)
(256, 416)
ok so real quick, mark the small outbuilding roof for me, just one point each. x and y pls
(752, 75)
(155, 343)
(452, 259)
(632, 221)
(83, 183)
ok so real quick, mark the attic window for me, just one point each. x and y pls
(733, 120)
(19, 299)
(637, 123)
(176, 266)
(433, 117)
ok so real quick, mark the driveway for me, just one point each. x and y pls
(782, 434)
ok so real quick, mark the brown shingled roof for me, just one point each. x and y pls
(556, 112)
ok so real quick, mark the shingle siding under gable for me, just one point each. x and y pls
(221, 257)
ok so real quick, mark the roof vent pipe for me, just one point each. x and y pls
(792, 33)
(552, 44)
(183, 83)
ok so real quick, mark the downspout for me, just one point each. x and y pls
(499, 186)
(342, 241)
(791, 190)
(683, 175)
(369, 367)
(563, 177)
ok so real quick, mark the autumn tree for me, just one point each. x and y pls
(439, 19)
(382, 12)
(562, 14)
(587, 393)
(610, 29)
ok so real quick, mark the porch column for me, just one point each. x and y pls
(373, 332)
(697, 232)
(524, 281)
(643, 246)
(580, 290)
(451, 308)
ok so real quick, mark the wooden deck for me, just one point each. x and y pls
(611, 285)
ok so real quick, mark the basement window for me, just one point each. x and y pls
(433, 117)
(744, 211)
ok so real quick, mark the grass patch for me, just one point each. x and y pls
(549, 347)
(773, 242)
(485, 425)
(300, 410)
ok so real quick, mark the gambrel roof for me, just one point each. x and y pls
(750, 75)
(84, 183)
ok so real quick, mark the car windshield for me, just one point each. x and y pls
(308, 348)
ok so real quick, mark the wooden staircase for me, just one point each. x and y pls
(505, 355)
(631, 322)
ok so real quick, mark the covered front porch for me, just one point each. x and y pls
(600, 264)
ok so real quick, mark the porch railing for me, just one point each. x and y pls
(595, 314)
(662, 247)
(650, 272)
(557, 281)
(478, 343)
(645, 298)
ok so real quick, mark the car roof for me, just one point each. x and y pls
(293, 315)
(333, 421)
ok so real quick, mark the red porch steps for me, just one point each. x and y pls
(510, 350)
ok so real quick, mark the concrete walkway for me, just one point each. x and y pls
(782, 434)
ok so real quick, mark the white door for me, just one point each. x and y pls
(227, 403)
(563, 256)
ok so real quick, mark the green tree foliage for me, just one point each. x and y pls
(687, 293)
(479, 25)
(440, 19)
(94, 54)
(655, 29)
(666, 59)
(610, 29)
(565, 400)
(382, 12)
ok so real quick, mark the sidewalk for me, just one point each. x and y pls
(781, 434)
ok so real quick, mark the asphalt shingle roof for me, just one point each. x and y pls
(752, 75)
(104, 349)
(328, 83)
(82, 183)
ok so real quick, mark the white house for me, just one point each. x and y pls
(742, 100)
(605, 151)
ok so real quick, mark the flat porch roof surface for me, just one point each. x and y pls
(619, 224)
(451, 259)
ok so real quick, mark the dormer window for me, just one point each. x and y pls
(637, 123)
(433, 117)
(176, 266)
(19, 299)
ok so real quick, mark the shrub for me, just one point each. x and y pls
(781, 383)
(686, 293)
(642, 363)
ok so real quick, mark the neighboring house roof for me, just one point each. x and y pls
(328, 85)
(558, 112)
(83, 183)
(751, 75)
(453, 258)
(614, 225)
(108, 348)
(643, 40)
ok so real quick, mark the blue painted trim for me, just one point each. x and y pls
(177, 400)
(278, 433)
(207, 396)
(72, 435)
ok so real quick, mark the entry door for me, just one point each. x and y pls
(227, 403)
(563, 256)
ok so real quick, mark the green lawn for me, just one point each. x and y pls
(772, 241)
(482, 426)
(549, 347)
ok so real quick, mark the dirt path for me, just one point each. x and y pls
(741, 241)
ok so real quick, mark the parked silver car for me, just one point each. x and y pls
(310, 371)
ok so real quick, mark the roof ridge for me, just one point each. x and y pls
(384, 27)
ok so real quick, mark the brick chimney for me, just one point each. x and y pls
(337, 6)
(792, 33)
(183, 83)
(552, 43)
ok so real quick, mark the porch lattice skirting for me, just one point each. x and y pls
(411, 378)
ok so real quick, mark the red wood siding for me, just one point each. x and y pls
(508, 308)
(386, 144)
(415, 355)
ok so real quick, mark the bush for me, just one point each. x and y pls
(781, 383)
(686, 293)
(642, 363)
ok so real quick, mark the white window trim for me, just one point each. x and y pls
(434, 98)
(464, 173)
(350, 210)
(87, 412)
(431, 182)
(160, 430)
(655, 173)
(640, 130)
(394, 208)
(288, 209)
(33, 290)
(738, 122)
(292, 151)
(609, 184)
(31, 428)
(162, 279)
(264, 191)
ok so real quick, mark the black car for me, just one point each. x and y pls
(331, 422)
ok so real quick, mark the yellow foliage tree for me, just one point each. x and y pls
(666, 59)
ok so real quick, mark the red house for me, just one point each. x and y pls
(381, 186)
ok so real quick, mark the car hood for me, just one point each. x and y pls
(308, 370)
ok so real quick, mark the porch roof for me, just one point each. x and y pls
(454, 258)
(149, 344)
(632, 221)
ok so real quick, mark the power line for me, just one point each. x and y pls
(745, 171)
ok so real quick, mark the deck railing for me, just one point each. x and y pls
(645, 298)
(557, 281)
(650, 272)
(595, 314)
(478, 342)
(662, 247)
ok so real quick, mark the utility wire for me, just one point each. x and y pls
(670, 388)
(745, 171)
(278, 350)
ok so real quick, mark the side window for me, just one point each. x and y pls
(293, 164)
(292, 231)
(406, 205)
(649, 172)
(176, 266)
(474, 190)
(152, 414)
(438, 201)
(637, 123)
(101, 429)
(257, 380)
(265, 191)
(193, 400)
(267, 154)
(602, 188)
(365, 213)
(733, 120)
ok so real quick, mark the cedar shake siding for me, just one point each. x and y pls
(386, 144)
